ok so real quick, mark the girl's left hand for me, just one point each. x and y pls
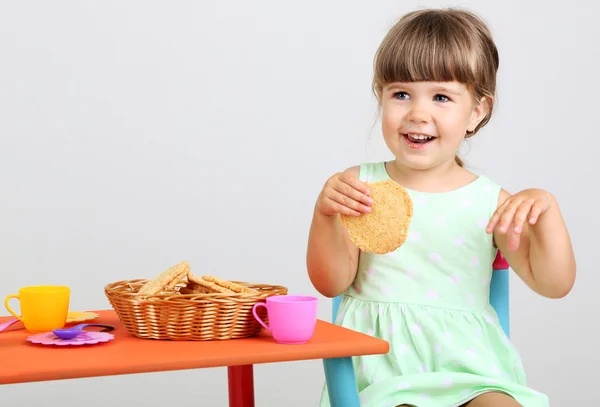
(527, 205)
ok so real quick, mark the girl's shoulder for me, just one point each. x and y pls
(372, 171)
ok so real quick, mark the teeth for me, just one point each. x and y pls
(419, 137)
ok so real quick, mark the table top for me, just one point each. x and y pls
(23, 361)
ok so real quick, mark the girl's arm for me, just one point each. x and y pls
(530, 232)
(332, 259)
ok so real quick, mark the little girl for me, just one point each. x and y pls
(435, 80)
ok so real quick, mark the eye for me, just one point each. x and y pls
(400, 95)
(441, 98)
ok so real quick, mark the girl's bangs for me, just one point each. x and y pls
(423, 57)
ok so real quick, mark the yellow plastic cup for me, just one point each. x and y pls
(43, 308)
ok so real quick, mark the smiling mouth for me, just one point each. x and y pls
(418, 139)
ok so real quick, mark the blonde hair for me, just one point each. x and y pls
(439, 45)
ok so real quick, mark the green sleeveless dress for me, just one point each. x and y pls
(430, 300)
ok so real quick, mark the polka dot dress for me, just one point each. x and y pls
(430, 300)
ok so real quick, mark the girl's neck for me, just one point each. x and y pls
(443, 178)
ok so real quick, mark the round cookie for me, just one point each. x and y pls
(385, 228)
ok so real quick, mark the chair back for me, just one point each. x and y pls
(499, 291)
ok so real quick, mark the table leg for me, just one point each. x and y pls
(341, 382)
(241, 386)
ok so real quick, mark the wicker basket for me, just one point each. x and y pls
(192, 317)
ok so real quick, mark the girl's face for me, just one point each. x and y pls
(424, 123)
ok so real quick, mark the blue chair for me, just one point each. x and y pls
(339, 372)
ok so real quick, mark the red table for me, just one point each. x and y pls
(24, 362)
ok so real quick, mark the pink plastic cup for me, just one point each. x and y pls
(292, 318)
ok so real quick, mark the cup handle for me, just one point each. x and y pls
(260, 304)
(9, 308)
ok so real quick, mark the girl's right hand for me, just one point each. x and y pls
(345, 194)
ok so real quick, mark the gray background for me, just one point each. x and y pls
(135, 135)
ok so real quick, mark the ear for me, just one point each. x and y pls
(480, 111)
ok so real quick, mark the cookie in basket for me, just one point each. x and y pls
(230, 285)
(167, 280)
(210, 284)
(385, 228)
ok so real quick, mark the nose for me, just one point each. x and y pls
(419, 113)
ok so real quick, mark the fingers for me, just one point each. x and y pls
(496, 217)
(536, 210)
(352, 188)
(346, 195)
(521, 215)
(513, 238)
(512, 215)
(346, 204)
(503, 216)
(336, 207)
(506, 224)
(354, 183)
